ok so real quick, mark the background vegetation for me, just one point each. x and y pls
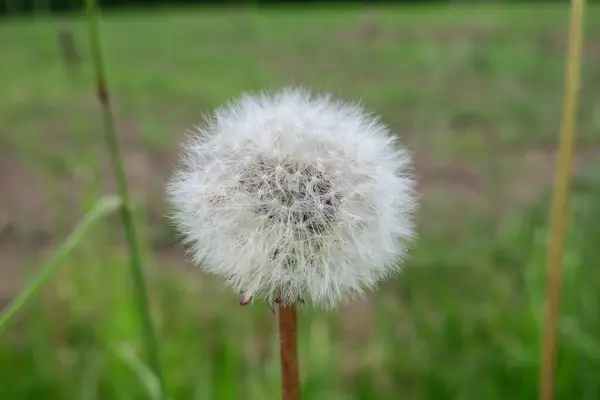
(474, 91)
(32, 6)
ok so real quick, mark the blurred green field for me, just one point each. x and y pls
(474, 91)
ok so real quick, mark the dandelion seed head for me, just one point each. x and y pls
(295, 195)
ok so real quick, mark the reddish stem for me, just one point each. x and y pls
(289, 352)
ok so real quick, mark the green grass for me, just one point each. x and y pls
(475, 92)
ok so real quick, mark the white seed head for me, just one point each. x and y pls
(295, 195)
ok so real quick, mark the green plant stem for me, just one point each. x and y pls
(112, 144)
(103, 208)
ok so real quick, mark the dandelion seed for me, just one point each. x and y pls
(295, 196)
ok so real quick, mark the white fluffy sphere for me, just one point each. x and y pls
(295, 195)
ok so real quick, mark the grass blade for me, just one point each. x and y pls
(145, 376)
(104, 207)
(112, 144)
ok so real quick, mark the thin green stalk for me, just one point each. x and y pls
(116, 158)
(104, 207)
(560, 201)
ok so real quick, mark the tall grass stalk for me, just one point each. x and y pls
(110, 136)
(560, 204)
(104, 207)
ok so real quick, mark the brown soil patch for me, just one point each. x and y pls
(27, 212)
(555, 42)
(24, 203)
(371, 29)
(536, 169)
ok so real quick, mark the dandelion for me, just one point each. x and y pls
(294, 195)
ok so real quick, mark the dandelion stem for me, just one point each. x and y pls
(289, 352)
(112, 143)
(561, 197)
